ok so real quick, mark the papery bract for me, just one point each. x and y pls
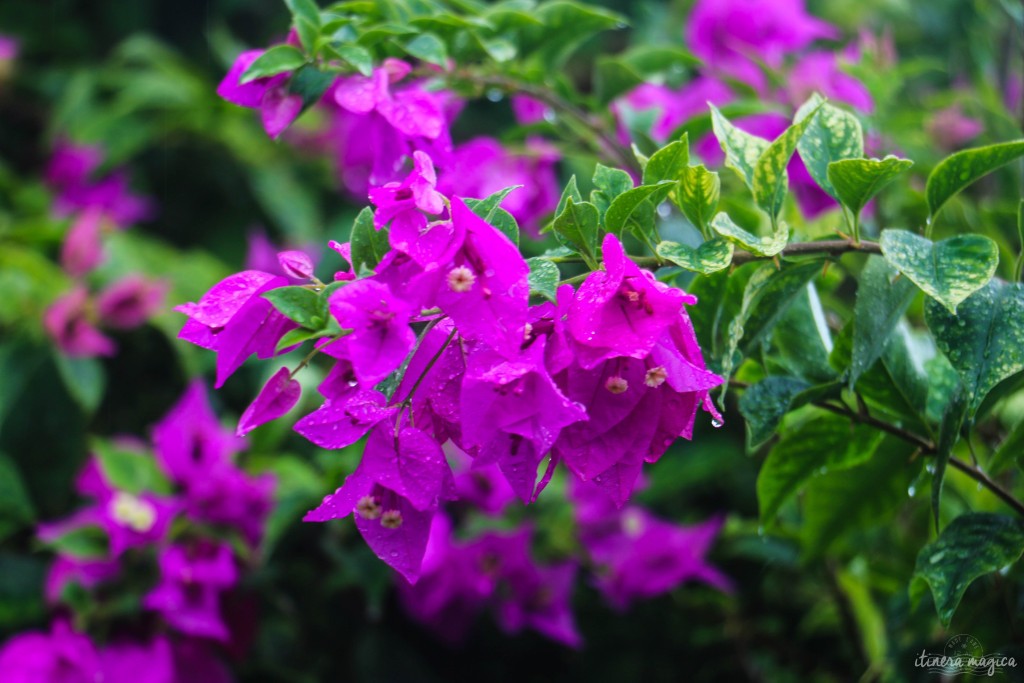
(191, 580)
(277, 397)
(129, 302)
(68, 322)
(381, 337)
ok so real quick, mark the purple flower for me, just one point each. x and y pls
(61, 656)
(512, 412)
(278, 107)
(82, 250)
(951, 128)
(729, 35)
(87, 573)
(400, 202)
(228, 496)
(819, 72)
(189, 441)
(621, 311)
(485, 288)
(534, 596)
(69, 323)
(235, 321)
(482, 486)
(129, 302)
(70, 173)
(394, 493)
(192, 579)
(342, 422)
(672, 107)
(436, 402)
(482, 166)
(277, 397)
(9, 48)
(296, 264)
(128, 661)
(381, 337)
(528, 110)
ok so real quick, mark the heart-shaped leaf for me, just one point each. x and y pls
(697, 195)
(761, 246)
(578, 226)
(626, 208)
(770, 179)
(959, 170)
(984, 341)
(856, 181)
(948, 271)
(971, 546)
(543, 277)
(834, 134)
(709, 257)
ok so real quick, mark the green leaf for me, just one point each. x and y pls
(310, 84)
(130, 471)
(82, 542)
(304, 9)
(626, 209)
(301, 334)
(613, 76)
(275, 60)
(697, 195)
(308, 33)
(498, 49)
(579, 226)
(742, 150)
(709, 257)
(949, 434)
(299, 304)
(882, 298)
(959, 170)
(764, 404)
(825, 444)
(490, 210)
(668, 163)
(571, 191)
(971, 546)
(1010, 450)
(761, 246)
(429, 48)
(16, 510)
(856, 181)
(544, 277)
(84, 378)
(358, 57)
(609, 183)
(769, 178)
(833, 135)
(857, 498)
(506, 224)
(368, 244)
(566, 25)
(948, 271)
(984, 341)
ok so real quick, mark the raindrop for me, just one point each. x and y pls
(494, 95)
(716, 423)
(911, 490)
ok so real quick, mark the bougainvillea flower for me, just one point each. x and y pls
(396, 201)
(951, 128)
(85, 572)
(278, 107)
(342, 422)
(191, 581)
(411, 111)
(130, 661)
(480, 485)
(729, 35)
(129, 302)
(70, 172)
(196, 656)
(69, 323)
(9, 48)
(296, 264)
(485, 289)
(482, 166)
(669, 107)
(438, 385)
(381, 337)
(233, 498)
(189, 441)
(82, 250)
(539, 598)
(622, 310)
(527, 109)
(277, 397)
(820, 72)
(235, 321)
(61, 656)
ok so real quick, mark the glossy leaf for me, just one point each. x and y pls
(949, 271)
(761, 246)
(368, 244)
(668, 163)
(544, 277)
(275, 60)
(710, 257)
(697, 195)
(833, 135)
(297, 303)
(16, 509)
(130, 471)
(770, 180)
(949, 434)
(84, 378)
(428, 48)
(579, 226)
(984, 341)
(882, 297)
(358, 57)
(973, 545)
(824, 444)
(764, 404)
(742, 150)
(959, 170)
(609, 183)
(857, 181)
(626, 210)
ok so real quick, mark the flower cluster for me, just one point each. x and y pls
(95, 205)
(187, 515)
(377, 122)
(603, 379)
